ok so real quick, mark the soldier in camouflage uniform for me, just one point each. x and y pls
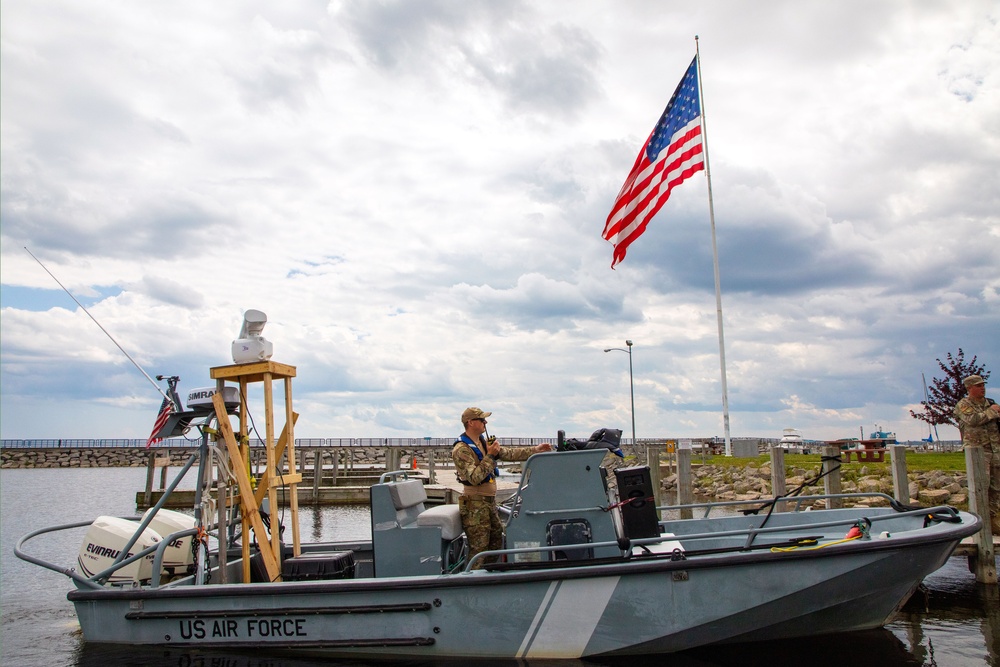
(979, 421)
(475, 458)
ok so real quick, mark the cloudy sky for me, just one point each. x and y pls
(414, 194)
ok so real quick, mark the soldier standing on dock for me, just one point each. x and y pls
(979, 421)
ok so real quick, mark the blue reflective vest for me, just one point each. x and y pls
(467, 440)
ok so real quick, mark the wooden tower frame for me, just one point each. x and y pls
(238, 449)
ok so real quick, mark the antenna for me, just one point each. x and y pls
(134, 363)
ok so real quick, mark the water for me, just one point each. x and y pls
(954, 622)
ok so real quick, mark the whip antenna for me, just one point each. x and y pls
(134, 363)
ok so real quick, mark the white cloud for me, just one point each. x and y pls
(414, 194)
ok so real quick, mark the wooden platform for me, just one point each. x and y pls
(967, 547)
(437, 494)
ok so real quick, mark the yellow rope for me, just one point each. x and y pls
(821, 546)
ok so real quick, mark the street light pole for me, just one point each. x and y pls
(631, 382)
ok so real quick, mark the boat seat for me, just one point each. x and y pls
(445, 517)
(407, 494)
(408, 537)
(411, 494)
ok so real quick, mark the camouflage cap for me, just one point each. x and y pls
(973, 380)
(474, 413)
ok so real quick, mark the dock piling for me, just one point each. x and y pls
(778, 487)
(982, 564)
(831, 477)
(685, 490)
(653, 461)
(317, 473)
(900, 482)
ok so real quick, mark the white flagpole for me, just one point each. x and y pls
(715, 256)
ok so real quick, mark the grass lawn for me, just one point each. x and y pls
(915, 461)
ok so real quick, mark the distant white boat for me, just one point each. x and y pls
(886, 437)
(790, 436)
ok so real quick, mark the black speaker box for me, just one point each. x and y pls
(635, 490)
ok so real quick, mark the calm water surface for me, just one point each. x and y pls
(954, 622)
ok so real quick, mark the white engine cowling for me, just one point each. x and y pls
(177, 556)
(105, 539)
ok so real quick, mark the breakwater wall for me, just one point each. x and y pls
(132, 457)
(101, 457)
(137, 457)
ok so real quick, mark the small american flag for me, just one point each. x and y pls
(671, 155)
(166, 409)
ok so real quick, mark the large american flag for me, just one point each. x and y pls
(671, 155)
(166, 408)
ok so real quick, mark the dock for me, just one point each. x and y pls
(343, 483)
(969, 549)
(437, 494)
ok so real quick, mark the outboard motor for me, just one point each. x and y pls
(105, 539)
(108, 535)
(178, 557)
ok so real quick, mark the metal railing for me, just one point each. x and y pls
(313, 443)
(174, 443)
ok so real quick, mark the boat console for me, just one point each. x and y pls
(562, 500)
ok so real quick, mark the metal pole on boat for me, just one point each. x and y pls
(204, 470)
(134, 362)
(715, 256)
(124, 552)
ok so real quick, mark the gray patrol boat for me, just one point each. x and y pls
(589, 569)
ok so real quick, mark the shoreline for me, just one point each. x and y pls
(753, 482)
(710, 482)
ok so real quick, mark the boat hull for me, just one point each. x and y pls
(579, 577)
(633, 607)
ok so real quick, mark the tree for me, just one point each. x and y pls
(945, 392)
